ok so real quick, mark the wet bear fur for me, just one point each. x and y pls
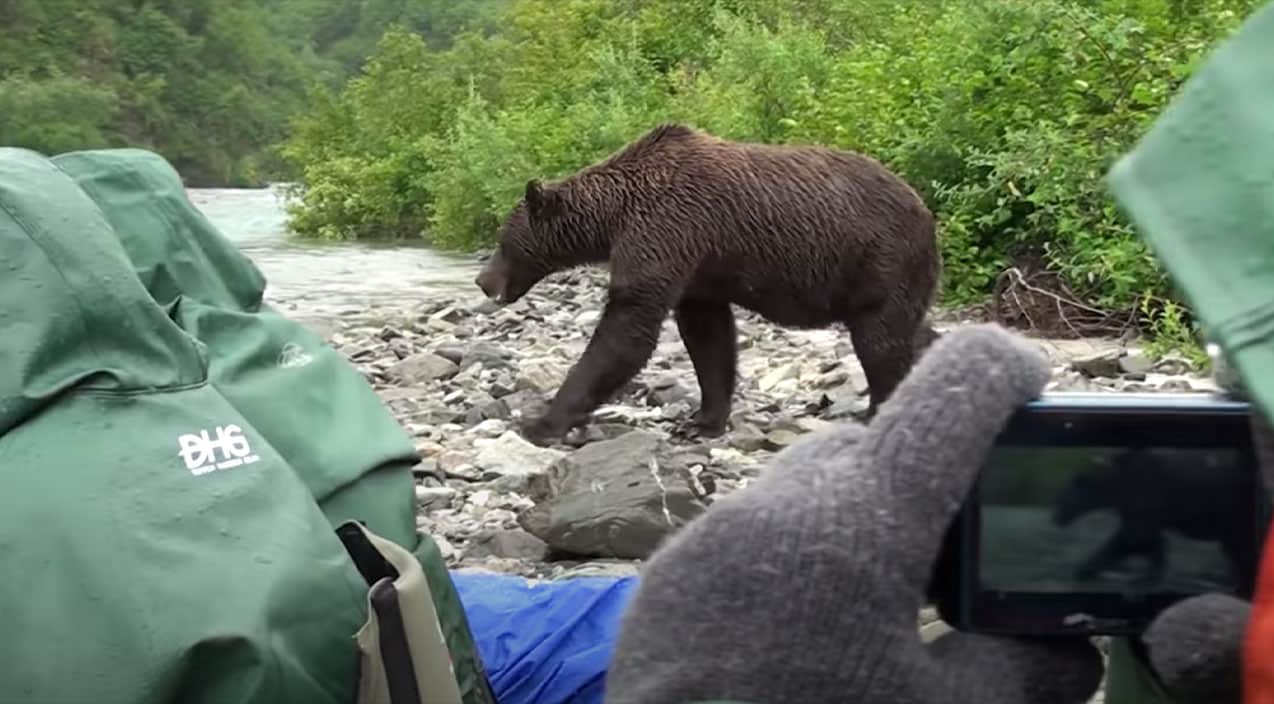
(1153, 491)
(805, 236)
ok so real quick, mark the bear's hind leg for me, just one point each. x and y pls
(708, 332)
(885, 340)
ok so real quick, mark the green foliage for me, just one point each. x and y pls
(59, 113)
(1171, 333)
(1004, 114)
(210, 84)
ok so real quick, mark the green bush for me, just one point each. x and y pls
(1005, 115)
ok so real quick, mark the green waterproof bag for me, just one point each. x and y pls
(155, 547)
(299, 393)
(163, 535)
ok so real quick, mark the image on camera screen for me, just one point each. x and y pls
(1096, 519)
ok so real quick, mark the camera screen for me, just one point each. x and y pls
(1064, 519)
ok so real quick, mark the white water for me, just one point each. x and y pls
(331, 279)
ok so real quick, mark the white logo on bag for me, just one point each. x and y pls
(203, 454)
(292, 355)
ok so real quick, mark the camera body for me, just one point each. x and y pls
(1094, 512)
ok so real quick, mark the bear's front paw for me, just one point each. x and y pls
(710, 426)
(543, 430)
(864, 415)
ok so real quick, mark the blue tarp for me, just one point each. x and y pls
(546, 642)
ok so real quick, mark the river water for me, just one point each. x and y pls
(328, 280)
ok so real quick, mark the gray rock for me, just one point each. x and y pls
(540, 375)
(427, 467)
(450, 314)
(488, 354)
(1173, 365)
(509, 454)
(780, 438)
(597, 432)
(676, 410)
(845, 408)
(395, 394)
(814, 425)
(857, 378)
(513, 544)
(1070, 380)
(1104, 363)
(670, 394)
(615, 498)
(450, 460)
(434, 497)
(1135, 363)
(401, 348)
(435, 415)
(778, 375)
(522, 400)
(495, 408)
(597, 568)
(491, 428)
(1176, 385)
(445, 547)
(423, 367)
(439, 325)
(747, 438)
(500, 387)
(484, 306)
(358, 352)
(453, 352)
(831, 379)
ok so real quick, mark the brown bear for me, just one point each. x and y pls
(804, 236)
(1156, 490)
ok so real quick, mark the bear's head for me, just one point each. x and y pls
(1085, 493)
(528, 246)
(1111, 482)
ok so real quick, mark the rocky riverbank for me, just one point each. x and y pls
(459, 373)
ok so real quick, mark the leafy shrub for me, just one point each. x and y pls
(1004, 115)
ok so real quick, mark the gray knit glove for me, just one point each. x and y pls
(805, 586)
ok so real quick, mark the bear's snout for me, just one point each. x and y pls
(492, 285)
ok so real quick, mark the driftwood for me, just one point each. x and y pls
(1041, 303)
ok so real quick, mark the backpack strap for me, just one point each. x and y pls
(403, 656)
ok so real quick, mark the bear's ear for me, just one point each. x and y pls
(542, 202)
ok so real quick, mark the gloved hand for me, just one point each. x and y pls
(805, 586)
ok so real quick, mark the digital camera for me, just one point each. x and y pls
(1096, 511)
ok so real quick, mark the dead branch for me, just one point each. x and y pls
(1041, 303)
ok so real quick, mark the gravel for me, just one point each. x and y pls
(458, 374)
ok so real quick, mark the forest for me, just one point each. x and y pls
(210, 84)
(423, 119)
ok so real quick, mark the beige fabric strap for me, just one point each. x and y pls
(417, 621)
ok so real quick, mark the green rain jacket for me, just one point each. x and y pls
(182, 469)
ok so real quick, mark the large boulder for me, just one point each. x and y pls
(614, 498)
